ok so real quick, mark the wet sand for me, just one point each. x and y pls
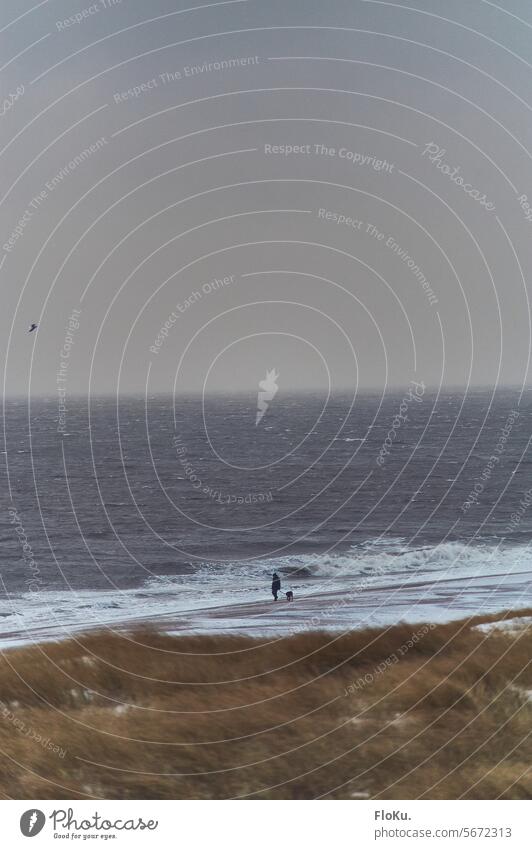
(386, 605)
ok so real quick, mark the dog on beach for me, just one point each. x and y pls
(289, 595)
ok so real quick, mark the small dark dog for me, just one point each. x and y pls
(289, 595)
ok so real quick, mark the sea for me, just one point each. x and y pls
(167, 508)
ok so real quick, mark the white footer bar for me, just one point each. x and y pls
(266, 824)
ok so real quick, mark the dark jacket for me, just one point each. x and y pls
(276, 583)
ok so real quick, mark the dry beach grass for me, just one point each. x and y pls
(146, 715)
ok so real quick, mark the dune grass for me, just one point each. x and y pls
(372, 714)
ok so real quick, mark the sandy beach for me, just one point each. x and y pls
(384, 605)
(339, 605)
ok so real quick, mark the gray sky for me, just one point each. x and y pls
(331, 271)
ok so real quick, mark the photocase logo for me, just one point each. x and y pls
(267, 391)
(32, 822)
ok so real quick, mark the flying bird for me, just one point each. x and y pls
(32, 327)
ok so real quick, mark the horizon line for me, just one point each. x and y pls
(294, 391)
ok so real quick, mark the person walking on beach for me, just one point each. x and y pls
(276, 585)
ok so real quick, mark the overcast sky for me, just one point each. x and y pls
(392, 243)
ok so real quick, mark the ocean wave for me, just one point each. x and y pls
(392, 556)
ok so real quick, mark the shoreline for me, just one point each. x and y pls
(337, 608)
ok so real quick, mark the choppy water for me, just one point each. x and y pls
(154, 508)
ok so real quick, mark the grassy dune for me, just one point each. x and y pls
(145, 715)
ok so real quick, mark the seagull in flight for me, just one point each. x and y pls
(32, 328)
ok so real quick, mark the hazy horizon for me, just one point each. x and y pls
(293, 391)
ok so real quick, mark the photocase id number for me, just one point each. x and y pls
(464, 832)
